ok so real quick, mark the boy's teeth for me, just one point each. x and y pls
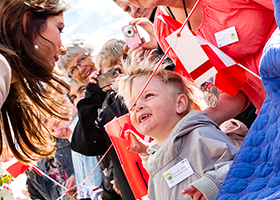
(143, 117)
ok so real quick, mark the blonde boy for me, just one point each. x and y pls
(184, 136)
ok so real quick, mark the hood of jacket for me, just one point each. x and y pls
(193, 120)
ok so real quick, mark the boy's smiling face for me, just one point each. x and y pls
(156, 112)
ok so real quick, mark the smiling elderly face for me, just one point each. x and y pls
(81, 67)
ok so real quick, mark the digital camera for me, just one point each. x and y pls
(131, 35)
(107, 78)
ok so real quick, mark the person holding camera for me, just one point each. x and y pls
(98, 107)
(209, 18)
(143, 16)
(135, 11)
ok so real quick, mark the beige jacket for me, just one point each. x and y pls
(5, 79)
(209, 151)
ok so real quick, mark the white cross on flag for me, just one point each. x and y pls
(202, 60)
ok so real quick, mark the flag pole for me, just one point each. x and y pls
(33, 166)
(190, 14)
(248, 70)
(165, 54)
(91, 172)
(61, 196)
(145, 86)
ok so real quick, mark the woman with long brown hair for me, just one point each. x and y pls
(30, 44)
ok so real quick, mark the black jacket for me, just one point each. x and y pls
(90, 138)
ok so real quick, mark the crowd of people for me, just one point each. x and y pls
(58, 118)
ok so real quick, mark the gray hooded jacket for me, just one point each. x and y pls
(209, 151)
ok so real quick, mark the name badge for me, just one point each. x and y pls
(227, 36)
(178, 173)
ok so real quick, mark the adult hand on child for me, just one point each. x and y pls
(99, 197)
(138, 145)
(194, 193)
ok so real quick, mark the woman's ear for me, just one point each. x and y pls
(25, 18)
(182, 104)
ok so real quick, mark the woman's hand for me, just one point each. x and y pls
(115, 188)
(93, 79)
(139, 49)
(93, 76)
(148, 26)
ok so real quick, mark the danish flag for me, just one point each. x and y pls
(14, 167)
(229, 74)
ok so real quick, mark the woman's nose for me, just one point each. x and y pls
(62, 50)
(134, 11)
(80, 68)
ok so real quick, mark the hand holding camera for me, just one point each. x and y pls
(132, 49)
(107, 78)
(148, 26)
(131, 35)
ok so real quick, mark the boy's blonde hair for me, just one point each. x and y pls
(111, 51)
(145, 67)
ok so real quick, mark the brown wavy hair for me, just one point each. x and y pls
(29, 97)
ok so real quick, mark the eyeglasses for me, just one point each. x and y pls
(79, 63)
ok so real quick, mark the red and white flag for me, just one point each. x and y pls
(36, 169)
(14, 167)
(91, 187)
(202, 60)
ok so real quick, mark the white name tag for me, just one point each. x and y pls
(227, 36)
(178, 173)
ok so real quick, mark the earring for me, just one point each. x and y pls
(36, 47)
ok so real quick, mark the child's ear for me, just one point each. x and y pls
(182, 103)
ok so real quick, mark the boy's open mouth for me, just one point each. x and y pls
(144, 117)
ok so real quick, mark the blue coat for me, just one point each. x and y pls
(255, 172)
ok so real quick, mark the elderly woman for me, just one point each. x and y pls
(78, 63)
(98, 107)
